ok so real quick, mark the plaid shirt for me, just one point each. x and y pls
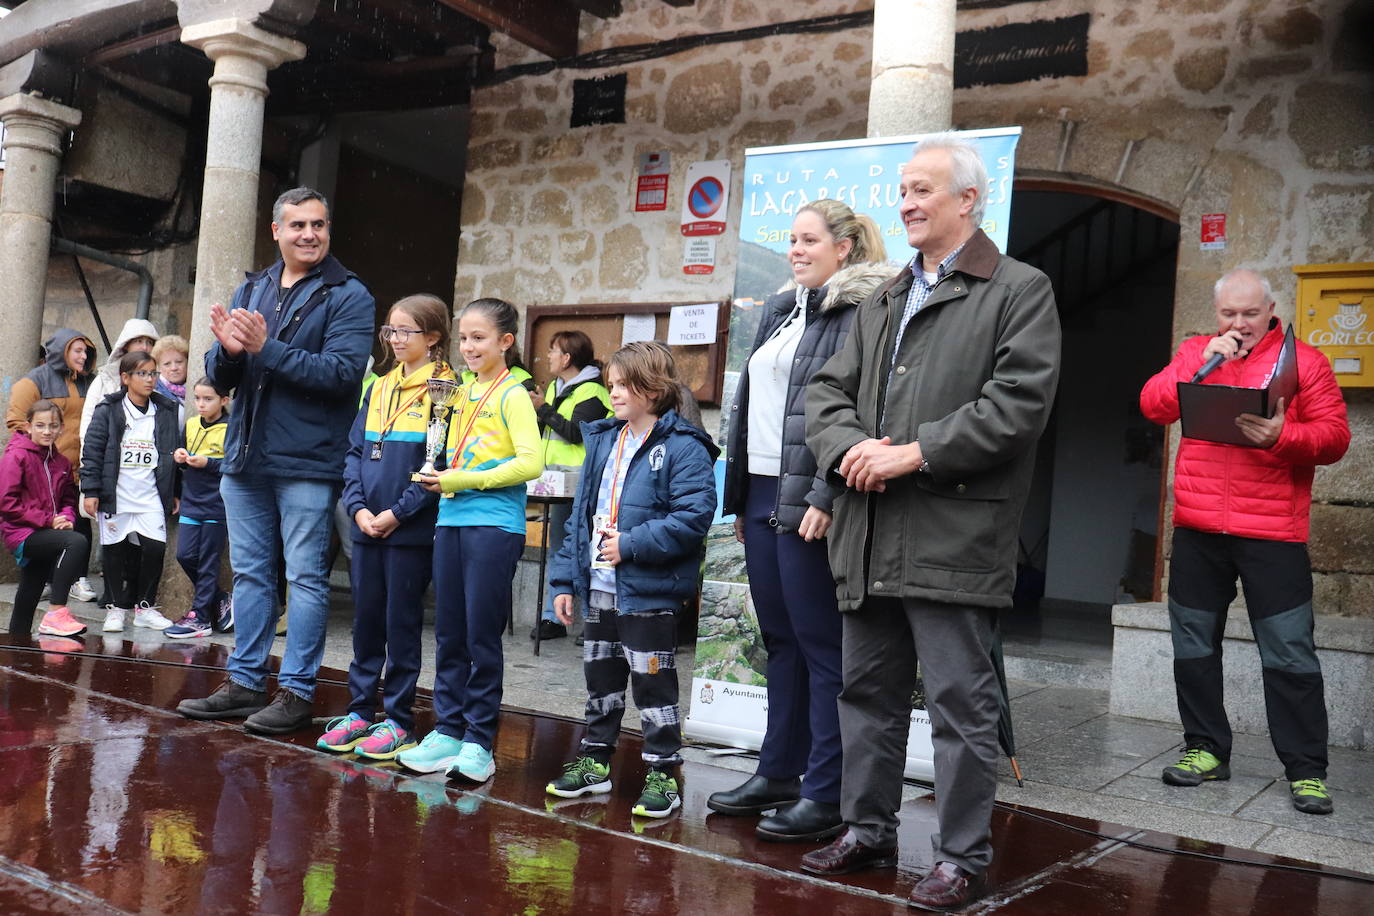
(920, 292)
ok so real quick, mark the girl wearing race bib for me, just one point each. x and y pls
(130, 482)
(493, 448)
(393, 532)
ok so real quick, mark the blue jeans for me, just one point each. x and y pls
(264, 511)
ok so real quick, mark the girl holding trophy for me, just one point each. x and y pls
(493, 448)
(401, 425)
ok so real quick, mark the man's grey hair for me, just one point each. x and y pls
(966, 168)
(294, 198)
(1238, 272)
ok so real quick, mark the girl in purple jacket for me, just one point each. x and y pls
(37, 518)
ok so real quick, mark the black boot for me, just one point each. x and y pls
(288, 713)
(806, 820)
(757, 795)
(229, 701)
(548, 629)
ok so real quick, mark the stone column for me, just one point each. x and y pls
(913, 67)
(34, 128)
(243, 53)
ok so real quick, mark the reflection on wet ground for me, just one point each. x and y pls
(114, 804)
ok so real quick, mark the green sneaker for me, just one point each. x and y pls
(1196, 767)
(581, 776)
(1310, 796)
(659, 798)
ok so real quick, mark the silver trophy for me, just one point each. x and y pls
(442, 393)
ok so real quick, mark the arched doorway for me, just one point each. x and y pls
(1090, 535)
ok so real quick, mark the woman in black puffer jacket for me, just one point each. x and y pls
(782, 512)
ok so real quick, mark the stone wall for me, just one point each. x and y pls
(1258, 110)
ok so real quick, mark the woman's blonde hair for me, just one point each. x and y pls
(646, 367)
(859, 228)
(170, 342)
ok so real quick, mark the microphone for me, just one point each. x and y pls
(1210, 366)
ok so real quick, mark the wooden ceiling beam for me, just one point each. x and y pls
(121, 49)
(547, 26)
(601, 9)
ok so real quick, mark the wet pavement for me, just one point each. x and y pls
(114, 804)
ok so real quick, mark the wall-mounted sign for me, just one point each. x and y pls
(1021, 52)
(706, 197)
(1213, 232)
(598, 101)
(699, 255)
(651, 188)
(692, 325)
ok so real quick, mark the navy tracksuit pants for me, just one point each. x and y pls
(794, 597)
(389, 582)
(200, 545)
(474, 572)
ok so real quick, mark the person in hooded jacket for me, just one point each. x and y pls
(64, 377)
(38, 519)
(632, 556)
(782, 511)
(137, 334)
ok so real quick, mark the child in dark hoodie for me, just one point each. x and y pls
(130, 482)
(632, 555)
(38, 519)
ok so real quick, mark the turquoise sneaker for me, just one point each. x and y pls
(474, 762)
(437, 752)
(343, 733)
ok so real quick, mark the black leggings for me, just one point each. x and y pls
(133, 571)
(53, 557)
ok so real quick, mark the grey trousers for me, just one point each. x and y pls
(881, 644)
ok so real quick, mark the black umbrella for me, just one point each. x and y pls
(1005, 736)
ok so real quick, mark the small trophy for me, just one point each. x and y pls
(442, 393)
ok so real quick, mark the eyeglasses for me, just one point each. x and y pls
(144, 373)
(400, 334)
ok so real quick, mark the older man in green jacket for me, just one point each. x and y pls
(930, 415)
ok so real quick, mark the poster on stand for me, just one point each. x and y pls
(729, 697)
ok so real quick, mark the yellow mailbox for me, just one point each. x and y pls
(1336, 315)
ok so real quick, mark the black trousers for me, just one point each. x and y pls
(57, 558)
(638, 648)
(133, 571)
(1277, 578)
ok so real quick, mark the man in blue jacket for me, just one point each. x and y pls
(293, 348)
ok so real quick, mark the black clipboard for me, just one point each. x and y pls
(1209, 412)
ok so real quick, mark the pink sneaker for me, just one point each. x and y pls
(60, 622)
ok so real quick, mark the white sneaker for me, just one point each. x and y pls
(114, 619)
(82, 590)
(146, 615)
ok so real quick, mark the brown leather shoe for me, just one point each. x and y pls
(947, 887)
(847, 854)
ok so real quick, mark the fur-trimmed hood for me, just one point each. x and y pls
(851, 285)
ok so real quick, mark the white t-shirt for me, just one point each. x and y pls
(770, 369)
(136, 496)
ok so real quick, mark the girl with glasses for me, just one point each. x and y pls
(130, 483)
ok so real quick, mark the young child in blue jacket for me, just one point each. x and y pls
(393, 532)
(632, 555)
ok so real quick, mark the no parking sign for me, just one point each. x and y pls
(706, 198)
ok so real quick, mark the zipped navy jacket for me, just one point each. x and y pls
(666, 506)
(295, 400)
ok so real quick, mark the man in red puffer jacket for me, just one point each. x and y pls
(1242, 511)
